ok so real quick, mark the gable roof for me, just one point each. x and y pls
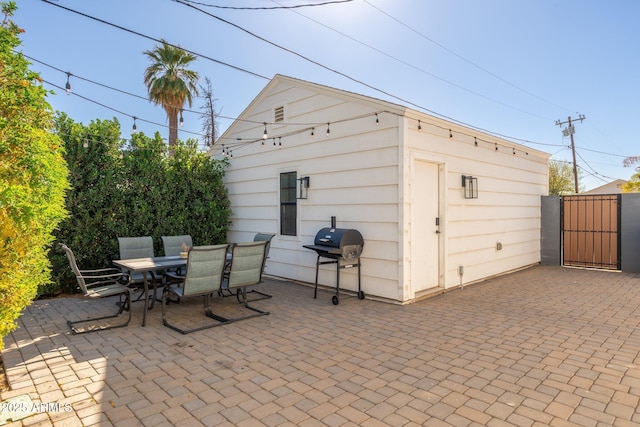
(346, 95)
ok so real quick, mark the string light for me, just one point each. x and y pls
(181, 119)
(68, 88)
(262, 143)
(311, 129)
(377, 120)
(266, 78)
(264, 134)
(68, 85)
(135, 128)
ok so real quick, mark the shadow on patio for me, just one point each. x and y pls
(543, 346)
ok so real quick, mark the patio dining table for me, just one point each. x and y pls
(146, 265)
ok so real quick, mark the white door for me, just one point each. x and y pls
(425, 230)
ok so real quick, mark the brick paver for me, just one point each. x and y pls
(546, 346)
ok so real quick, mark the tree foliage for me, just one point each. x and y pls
(633, 185)
(33, 178)
(170, 82)
(134, 188)
(561, 180)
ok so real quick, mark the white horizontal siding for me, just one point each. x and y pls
(361, 174)
(353, 176)
(507, 209)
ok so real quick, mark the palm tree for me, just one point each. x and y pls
(631, 160)
(170, 83)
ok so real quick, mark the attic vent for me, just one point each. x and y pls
(279, 114)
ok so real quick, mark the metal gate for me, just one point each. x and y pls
(591, 231)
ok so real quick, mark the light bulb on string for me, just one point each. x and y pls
(265, 135)
(475, 141)
(450, 134)
(313, 133)
(419, 125)
(514, 151)
(377, 120)
(279, 142)
(85, 144)
(328, 130)
(181, 119)
(274, 141)
(134, 128)
(496, 146)
(68, 85)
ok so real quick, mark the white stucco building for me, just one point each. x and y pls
(394, 174)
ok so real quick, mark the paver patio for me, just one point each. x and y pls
(546, 346)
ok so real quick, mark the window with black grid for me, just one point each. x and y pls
(288, 206)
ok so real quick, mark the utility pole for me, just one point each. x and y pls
(569, 131)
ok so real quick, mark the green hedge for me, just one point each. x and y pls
(33, 178)
(133, 188)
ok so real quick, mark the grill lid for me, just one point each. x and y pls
(338, 237)
(336, 242)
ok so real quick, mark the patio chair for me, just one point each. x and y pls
(100, 283)
(173, 246)
(247, 262)
(261, 237)
(138, 247)
(205, 268)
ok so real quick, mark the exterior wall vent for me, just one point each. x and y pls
(279, 114)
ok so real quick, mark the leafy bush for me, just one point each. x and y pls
(33, 179)
(134, 188)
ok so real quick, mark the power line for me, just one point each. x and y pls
(463, 58)
(435, 76)
(595, 174)
(297, 54)
(420, 107)
(158, 40)
(268, 8)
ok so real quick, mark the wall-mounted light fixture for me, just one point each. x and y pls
(470, 187)
(303, 187)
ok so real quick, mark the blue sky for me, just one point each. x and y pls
(511, 67)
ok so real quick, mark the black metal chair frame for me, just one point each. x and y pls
(259, 237)
(245, 270)
(200, 270)
(99, 283)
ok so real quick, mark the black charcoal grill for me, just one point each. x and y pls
(343, 247)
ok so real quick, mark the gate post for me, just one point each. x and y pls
(550, 231)
(630, 233)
